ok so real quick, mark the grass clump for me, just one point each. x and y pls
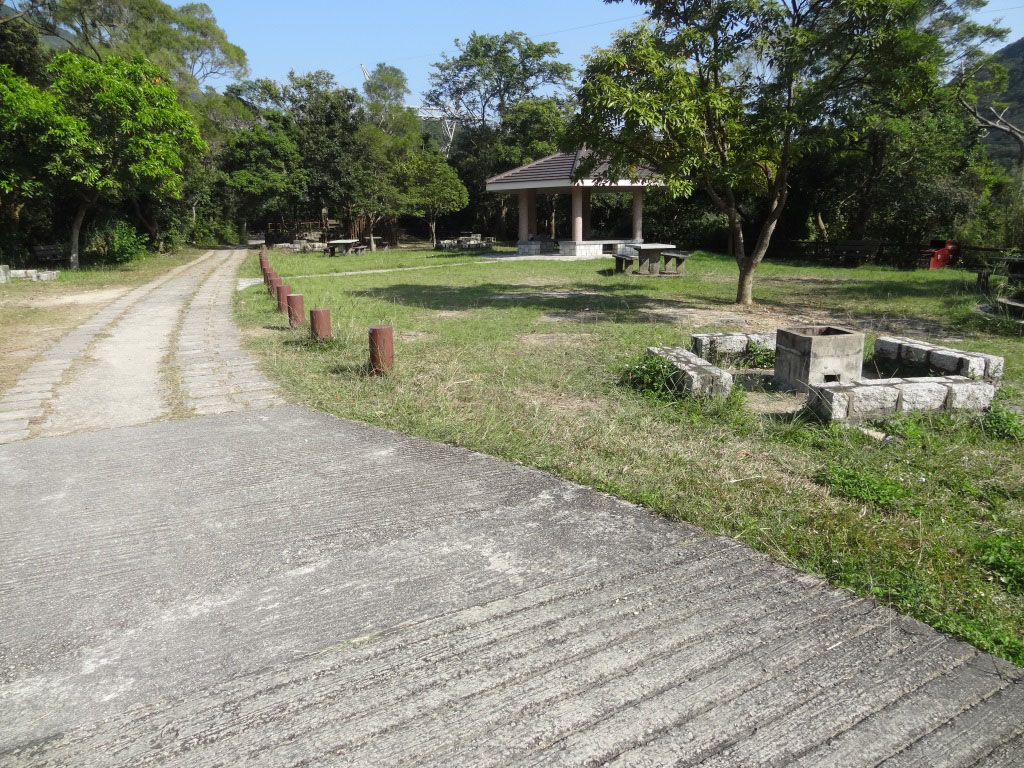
(757, 356)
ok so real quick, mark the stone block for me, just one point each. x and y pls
(994, 366)
(45, 276)
(968, 395)
(700, 343)
(915, 354)
(945, 360)
(887, 348)
(693, 375)
(873, 402)
(5, 274)
(763, 340)
(923, 396)
(830, 402)
(724, 345)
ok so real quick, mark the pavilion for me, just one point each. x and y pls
(554, 174)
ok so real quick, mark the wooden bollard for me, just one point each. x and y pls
(320, 324)
(282, 297)
(382, 349)
(296, 310)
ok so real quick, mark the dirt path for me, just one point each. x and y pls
(126, 364)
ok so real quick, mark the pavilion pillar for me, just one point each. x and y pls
(532, 208)
(586, 213)
(524, 215)
(577, 214)
(638, 214)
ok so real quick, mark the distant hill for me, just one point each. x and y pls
(1001, 147)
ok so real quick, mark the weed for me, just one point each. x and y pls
(757, 356)
(1003, 424)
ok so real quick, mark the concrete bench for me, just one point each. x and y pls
(693, 375)
(720, 347)
(48, 254)
(624, 258)
(679, 257)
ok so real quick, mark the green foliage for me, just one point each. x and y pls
(650, 374)
(118, 242)
(1002, 423)
(433, 188)
(757, 356)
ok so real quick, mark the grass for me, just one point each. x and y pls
(524, 360)
(288, 264)
(34, 315)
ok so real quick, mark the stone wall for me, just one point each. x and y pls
(580, 250)
(919, 356)
(868, 399)
(35, 275)
(693, 375)
(729, 346)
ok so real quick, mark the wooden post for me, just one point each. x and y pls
(272, 286)
(638, 214)
(577, 214)
(320, 324)
(296, 310)
(282, 297)
(382, 349)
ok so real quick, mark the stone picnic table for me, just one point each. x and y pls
(649, 256)
(344, 245)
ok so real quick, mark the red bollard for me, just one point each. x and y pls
(382, 349)
(275, 281)
(320, 324)
(296, 310)
(282, 297)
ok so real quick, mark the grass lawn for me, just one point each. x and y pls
(34, 315)
(522, 360)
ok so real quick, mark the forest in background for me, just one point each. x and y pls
(109, 126)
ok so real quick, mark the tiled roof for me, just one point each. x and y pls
(558, 167)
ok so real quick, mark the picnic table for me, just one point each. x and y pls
(648, 258)
(344, 245)
(1011, 266)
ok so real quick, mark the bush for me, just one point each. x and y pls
(649, 374)
(117, 242)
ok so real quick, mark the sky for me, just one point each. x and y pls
(411, 34)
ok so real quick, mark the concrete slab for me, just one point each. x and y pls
(278, 586)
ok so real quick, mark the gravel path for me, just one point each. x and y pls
(272, 586)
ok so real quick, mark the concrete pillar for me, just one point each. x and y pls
(532, 208)
(586, 214)
(524, 215)
(577, 214)
(638, 214)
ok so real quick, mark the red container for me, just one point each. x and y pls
(940, 254)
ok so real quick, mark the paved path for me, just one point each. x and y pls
(273, 586)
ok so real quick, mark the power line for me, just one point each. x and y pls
(999, 10)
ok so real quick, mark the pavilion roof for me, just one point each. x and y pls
(555, 172)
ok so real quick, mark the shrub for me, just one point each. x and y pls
(649, 374)
(117, 242)
(757, 356)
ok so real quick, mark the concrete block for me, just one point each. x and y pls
(763, 340)
(972, 366)
(700, 344)
(968, 395)
(923, 396)
(812, 355)
(5, 274)
(994, 366)
(874, 402)
(725, 345)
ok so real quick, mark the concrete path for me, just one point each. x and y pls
(273, 586)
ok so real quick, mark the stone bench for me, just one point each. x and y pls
(922, 356)
(693, 375)
(869, 399)
(729, 346)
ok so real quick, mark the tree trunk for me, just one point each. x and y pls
(745, 287)
(76, 228)
(373, 243)
(151, 226)
(433, 232)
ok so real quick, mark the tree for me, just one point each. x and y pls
(377, 190)
(135, 139)
(492, 73)
(726, 95)
(433, 189)
(263, 167)
(21, 51)
(385, 90)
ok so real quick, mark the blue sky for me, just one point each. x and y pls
(410, 34)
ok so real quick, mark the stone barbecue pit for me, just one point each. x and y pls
(817, 354)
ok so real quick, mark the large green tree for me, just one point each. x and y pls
(135, 139)
(726, 95)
